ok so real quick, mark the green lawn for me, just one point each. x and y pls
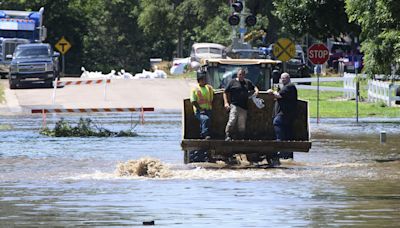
(187, 75)
(332, 104)
(2, 98)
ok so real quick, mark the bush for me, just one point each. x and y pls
(84, 128)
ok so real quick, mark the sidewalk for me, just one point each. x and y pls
(11, 104)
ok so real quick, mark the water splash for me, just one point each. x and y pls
(147, 167)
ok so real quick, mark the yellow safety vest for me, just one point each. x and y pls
(204, 96)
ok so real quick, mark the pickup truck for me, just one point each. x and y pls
(34, 64)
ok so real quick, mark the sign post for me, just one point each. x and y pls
(318, 54)
(356, 66)
(63, 46)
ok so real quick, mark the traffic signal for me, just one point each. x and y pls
(237, 6)
(251, 20)
(234, 20)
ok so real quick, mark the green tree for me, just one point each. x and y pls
(182, 22)
(320, 18)
(267, 20)
(380, 23)
(114, 40)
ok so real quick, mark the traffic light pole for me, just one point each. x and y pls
(242, 26)
(357, 94)
(240, 19)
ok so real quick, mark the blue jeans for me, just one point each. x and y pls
(283, 131)
(283, 128)
(204, 119)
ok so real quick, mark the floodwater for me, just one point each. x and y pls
(347, 179)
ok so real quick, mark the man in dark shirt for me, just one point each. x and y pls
(236, 95)
(285, 110)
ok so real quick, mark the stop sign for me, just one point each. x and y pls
(318, 53)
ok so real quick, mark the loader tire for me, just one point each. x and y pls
(196, 156)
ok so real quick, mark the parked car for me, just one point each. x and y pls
(351, 62)
(33, 64)
(297, 66)
(207, 50)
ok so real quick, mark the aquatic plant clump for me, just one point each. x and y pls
(84, 128)
(147, 167)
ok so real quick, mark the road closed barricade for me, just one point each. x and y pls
(57, 84)
(89, 110)
(86, 82)
(44, 111)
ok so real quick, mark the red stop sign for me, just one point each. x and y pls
(318, 53)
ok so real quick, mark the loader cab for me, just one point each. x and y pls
(221, 71)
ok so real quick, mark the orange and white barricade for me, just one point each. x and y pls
(57, 84)
(44, 111)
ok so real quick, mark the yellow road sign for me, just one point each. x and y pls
(284, 49)
(63, 45)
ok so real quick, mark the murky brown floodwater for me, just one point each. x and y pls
(347, 179)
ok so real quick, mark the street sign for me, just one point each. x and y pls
(318, 53)
(284, 49)
(63, 45)
(242, 30)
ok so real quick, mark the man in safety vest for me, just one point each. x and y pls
(202, 97)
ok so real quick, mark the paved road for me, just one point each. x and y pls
(162, 94)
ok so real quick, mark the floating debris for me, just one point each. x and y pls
(147, 167)
(85, 128)
(4, 127)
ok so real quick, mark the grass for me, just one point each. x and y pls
(332, 104)
(186, 75)
(2, 97)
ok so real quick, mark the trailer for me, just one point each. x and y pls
(259, 144)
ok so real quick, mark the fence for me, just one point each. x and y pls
(348, 89)
(382, 91)
(377, 90)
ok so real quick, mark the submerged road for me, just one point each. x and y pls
(348, 179)
(162, 94)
